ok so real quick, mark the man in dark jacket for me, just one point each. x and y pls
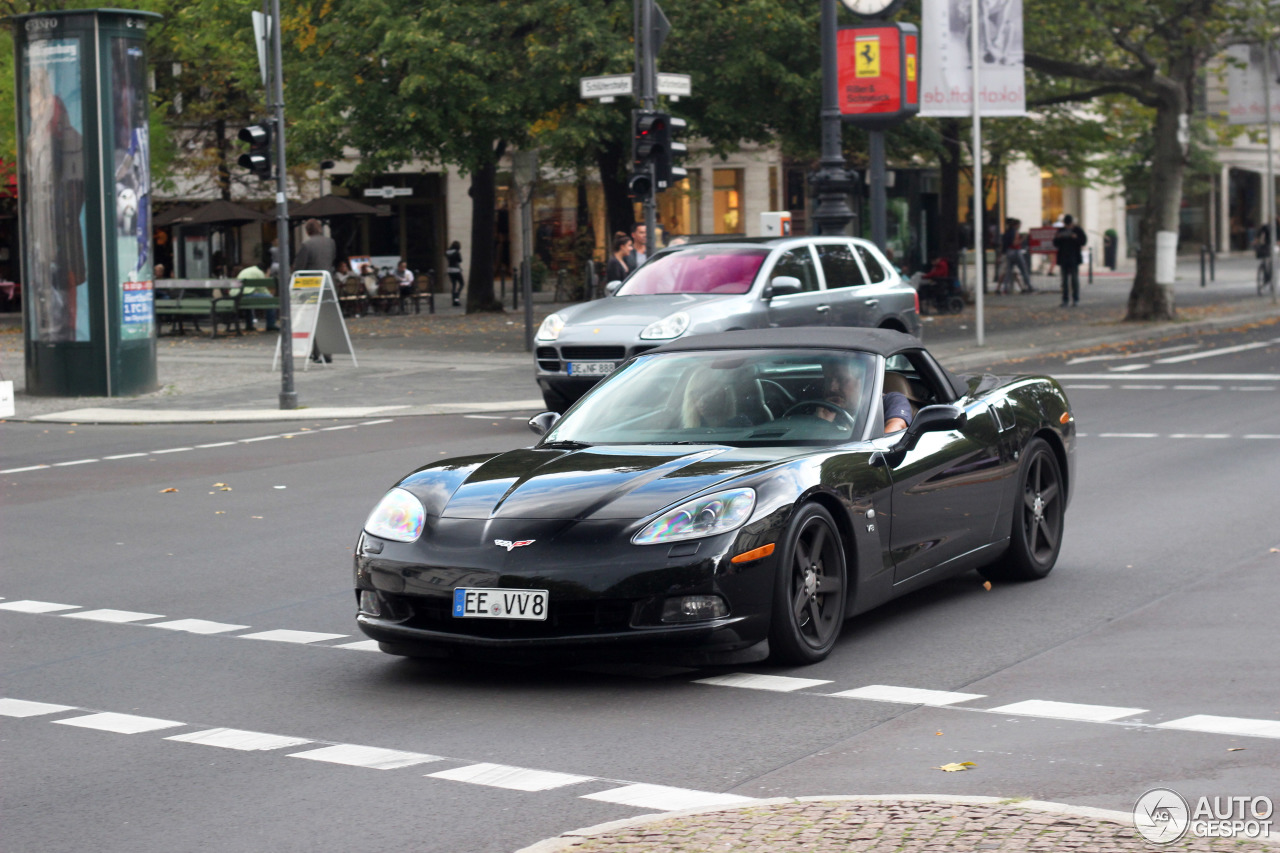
(1069, 241)
(318, 252)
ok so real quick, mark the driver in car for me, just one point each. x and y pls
(843, 388)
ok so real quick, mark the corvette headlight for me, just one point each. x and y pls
(550, 328)
(399, 516)
(667, 327)
(706, 516)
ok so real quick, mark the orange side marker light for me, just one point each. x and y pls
(753, 554)
(1066, 416)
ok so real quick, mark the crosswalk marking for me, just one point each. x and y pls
(665, 799)
(125, 724)
(239, 739)
(361, 646)
(25, 606)
(198, 626)
(907, 695)
(1067, 711)
(284, 635)
(753, 681)
(1225, 725)
(23, 708)
(513, 778)
(372, 757)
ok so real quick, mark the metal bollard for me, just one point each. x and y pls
(1203, 250)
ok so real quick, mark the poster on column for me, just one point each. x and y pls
(53, 193)
(946, 66)
(1246, 101)
(132, 188)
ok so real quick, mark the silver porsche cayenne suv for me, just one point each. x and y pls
(719, 285)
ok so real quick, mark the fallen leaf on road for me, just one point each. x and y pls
(1235, 749)
(225, 489)
(986, 585)
(280, 487)
(163, 491)
(938, 733)
(956, 768)
(1275, 550)
(220, 512)
(255, 516)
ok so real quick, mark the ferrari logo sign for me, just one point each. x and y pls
(866, 53)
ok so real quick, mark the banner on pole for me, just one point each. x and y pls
(1246, 103)
(946, 68)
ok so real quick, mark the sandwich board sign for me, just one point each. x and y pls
(315, 318)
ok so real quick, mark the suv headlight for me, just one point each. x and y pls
(667, 327)
(550, 328)
(705, 516)
(399, 516)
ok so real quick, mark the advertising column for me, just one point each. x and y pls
(84, 202)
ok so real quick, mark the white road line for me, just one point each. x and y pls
(216, 444)
(1129, 368)
(1067, 711)
(198, 626)
(37, 606)
(1089, 387)
(752, 681)
(237, 739)
(1193, 356)
(116, 616)
(1225, 725)
(1175, 377)
(283, 635)
(1253, 388)
(1198, 435)
(75, 462)
(375, 423)
(1142, 387)
(20, 470)
(125, 724)
(23, 708)
(1128, 435)
(371, 757)
(907, 695)
(171, 450)
(259, 438)
(1261, 435)
(361, 646)
(1198, 388)
(332, 428)
(125, 456)
(665, 799)
(513, 778)
(1119, 357)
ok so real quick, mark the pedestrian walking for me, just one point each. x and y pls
(1014, 259)
(318, 252)
(1070, 241)
(453, 258)
(640, 249)
(616, 269)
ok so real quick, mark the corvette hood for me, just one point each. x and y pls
(633, 310)
(622, 482)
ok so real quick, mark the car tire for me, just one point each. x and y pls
(806, 621)
(954, 304)
(1036, 535)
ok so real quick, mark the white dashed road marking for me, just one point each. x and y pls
(1225, 726)
(125, 724)
(198, 626)
(1067, 711)
(282, 635)
(665, 799)
(907, 695)
(237, 739)
(513, 778)
(23, 708)
(37, 606)
(372, 757)
(117, 616)
(751, 681)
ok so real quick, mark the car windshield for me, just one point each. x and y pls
(734, 397)
(714, 269)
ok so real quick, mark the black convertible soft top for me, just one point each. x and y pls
(883, 342)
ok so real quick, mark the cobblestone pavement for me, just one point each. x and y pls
(908, 825)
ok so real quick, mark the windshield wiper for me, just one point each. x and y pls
(566, 445)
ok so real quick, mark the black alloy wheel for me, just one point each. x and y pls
(1036, 536)
(809, 595)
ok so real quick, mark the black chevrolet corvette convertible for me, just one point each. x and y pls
(723, 498)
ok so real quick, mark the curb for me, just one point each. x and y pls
(566, 840)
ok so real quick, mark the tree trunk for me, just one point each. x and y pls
(617, 205)
(949, 195)
(483, 192)
(224, 172)
(1147, 299)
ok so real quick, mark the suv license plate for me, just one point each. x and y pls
(591, 368)
(478, 603)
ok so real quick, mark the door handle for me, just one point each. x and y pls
(872, 303)
(823, 309)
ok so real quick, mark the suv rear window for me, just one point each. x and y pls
(697, 270)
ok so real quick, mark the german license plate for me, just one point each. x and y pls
(479, 603)
(591, 368)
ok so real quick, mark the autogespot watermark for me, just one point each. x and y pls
(1162, 816)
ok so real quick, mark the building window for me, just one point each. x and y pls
(727, 201)
(678, 208)
(1051, 202)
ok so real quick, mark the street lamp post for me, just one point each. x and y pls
(834, 181)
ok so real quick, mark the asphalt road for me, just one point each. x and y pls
(1161, 610)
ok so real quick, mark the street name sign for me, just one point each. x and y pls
(676, 85)
(605, 87)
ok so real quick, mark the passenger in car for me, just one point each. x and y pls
(709, 401)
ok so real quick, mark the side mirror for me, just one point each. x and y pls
(611, 288)
(541, 424)
(931, 419)
(783, 285)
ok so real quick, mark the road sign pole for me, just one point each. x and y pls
(833, 182)
(648, 101)
(288, 396)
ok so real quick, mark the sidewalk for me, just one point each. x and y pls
(910, 824)
(450, 362)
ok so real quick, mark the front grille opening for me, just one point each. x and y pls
(602, 353)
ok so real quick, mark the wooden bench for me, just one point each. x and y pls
(214, 299)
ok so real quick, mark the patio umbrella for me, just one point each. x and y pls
(173, 216)
(222, 213)
(330, 205)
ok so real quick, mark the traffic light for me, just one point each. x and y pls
(670, 151)
(640, 186)
(258, 157)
